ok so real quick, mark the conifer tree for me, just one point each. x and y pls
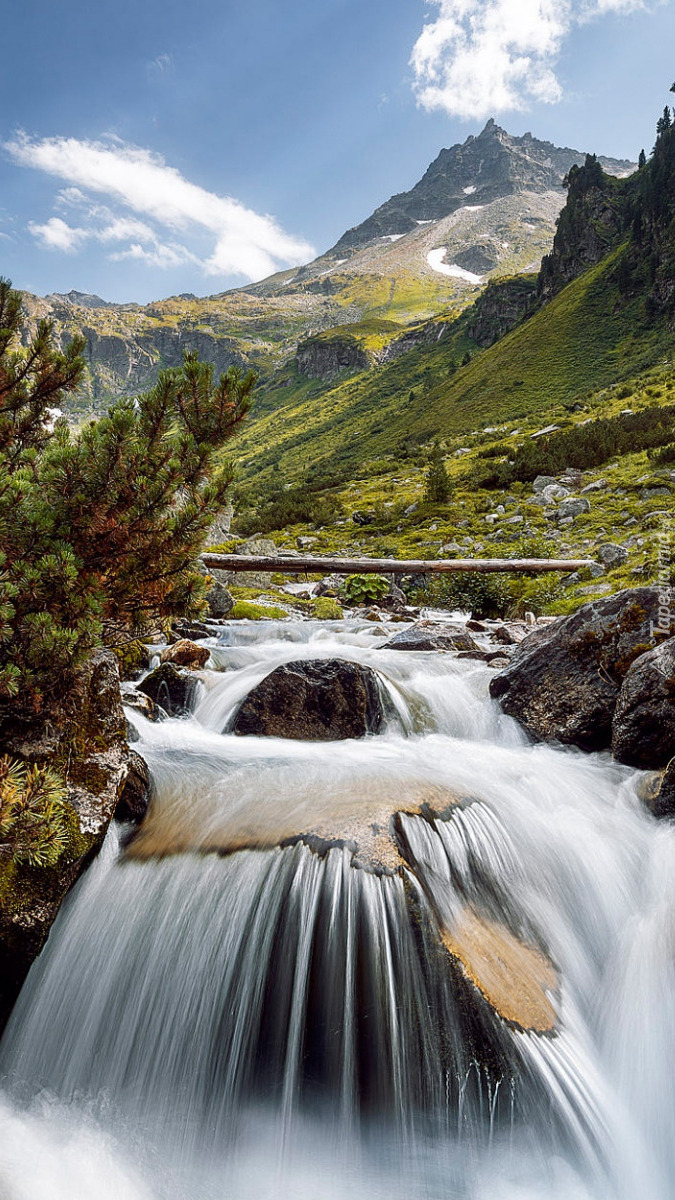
(437, 483)
(99, 530)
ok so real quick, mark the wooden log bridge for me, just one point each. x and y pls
(303, 565)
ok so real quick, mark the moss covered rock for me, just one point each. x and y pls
(85, 743)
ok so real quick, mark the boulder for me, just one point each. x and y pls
(134, 799)
(543, 481)
(611, 555)
(658, 793)
(219, 600)
(84, 741)
(432, 635)
(318, 700)
(186, 653)
(643, 729)
(172, 687)
(132, 698)
(573, 508)
(564, 680)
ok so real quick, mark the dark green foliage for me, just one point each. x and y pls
(99, 531)
(582, 446)
(642, 160)
(278, 507)
(483, 596)
(437, 483)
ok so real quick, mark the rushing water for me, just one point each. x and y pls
(228, 1009)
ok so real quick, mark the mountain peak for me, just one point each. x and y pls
(489, 167)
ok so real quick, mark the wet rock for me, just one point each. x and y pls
(564, 680)
(135, 797)
(84, 740)
(186, 653)
(432, 635)
(133, 698)
(172, 687)
(643, 729)
(318, 700)
(511, 634)
(658, 793)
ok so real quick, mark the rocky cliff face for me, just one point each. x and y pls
(86, 743)
(325, 358)
(500, 308)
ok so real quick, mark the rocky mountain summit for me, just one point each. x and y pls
(478, 171)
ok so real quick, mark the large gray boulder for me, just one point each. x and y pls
(432, 635)
(564, 680)
(643, 729)
(317, 700)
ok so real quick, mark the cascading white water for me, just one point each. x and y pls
(255, 1006)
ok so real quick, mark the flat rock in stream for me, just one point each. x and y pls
(318, 700)
(564, 680)
(433, 635)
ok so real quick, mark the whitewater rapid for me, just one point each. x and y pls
(210, 1022)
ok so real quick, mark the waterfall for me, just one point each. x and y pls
(434, 962)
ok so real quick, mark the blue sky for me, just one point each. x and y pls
(151, 148)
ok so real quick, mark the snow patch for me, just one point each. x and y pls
(435, 261)
(470, 190)
(429, 222)
(393, 237)
(473, 207)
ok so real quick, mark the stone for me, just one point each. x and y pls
(317, 700)
(219, 600)
(564, 680)
(658, 793)
(574, 508)
(511, 633)
(174, 688)
(133, 802)
(595, 570)
(132, 698)
(432, 635)
(643, 728)
(412, 508)
(543, 481)
(598, 486)
(186, 654)
(553, 492)
(611, 555)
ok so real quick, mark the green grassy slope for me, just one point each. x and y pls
(585, 339)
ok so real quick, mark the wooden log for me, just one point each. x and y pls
(387, 566)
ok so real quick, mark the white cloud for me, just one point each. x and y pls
(478, 57)
(139, 182)
(55, 234)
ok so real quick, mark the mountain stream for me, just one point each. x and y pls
(434, 963)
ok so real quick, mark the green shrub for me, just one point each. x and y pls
(364, 589)
(35, 820)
